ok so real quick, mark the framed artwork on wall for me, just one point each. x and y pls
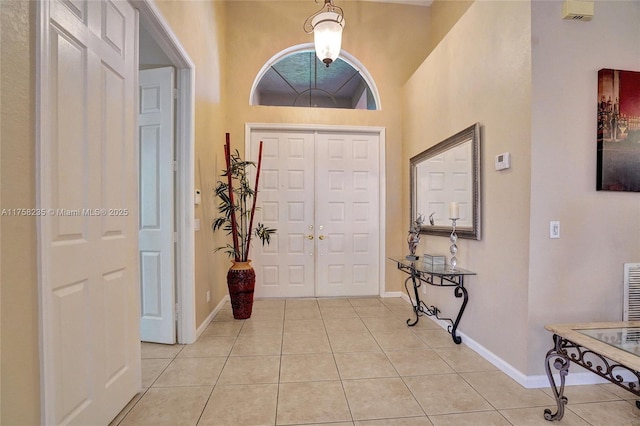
(618, 160)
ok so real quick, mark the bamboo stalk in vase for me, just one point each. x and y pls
(255, 197)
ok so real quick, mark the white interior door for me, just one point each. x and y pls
(347, 214)
(320, 190)
(156, 242)
(88, 186)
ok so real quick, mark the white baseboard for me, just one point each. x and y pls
(405, 297)
(391, 294)
(577, 375)
(210, 317)
(580, 377)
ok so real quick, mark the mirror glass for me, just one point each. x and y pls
(447, 173)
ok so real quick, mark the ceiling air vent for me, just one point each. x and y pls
(631, 309)
(577, 10)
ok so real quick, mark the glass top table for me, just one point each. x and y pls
(421, 266)
(617, 341)
(609, 349)
(439, 275)
(624, 338)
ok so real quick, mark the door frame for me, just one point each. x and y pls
(381, 132)
(184, 258)
(185, 253)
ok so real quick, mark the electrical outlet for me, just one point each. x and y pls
(208, 296)
(554, 229)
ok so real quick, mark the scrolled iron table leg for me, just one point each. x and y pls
(561, 363)
(459, 292)
(416, 307)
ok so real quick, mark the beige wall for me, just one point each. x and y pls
(262, 29)
(444, 15)
(200, 27)
(20, 361)
(480, 72)
(579, 277)
(531, 82)
(475, 75)
(259, 30)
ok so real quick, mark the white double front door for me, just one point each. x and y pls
(320, 190)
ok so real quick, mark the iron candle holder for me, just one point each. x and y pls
(453, 249)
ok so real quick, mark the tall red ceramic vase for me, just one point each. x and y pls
(241, 280)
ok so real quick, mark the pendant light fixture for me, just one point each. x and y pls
(326, 26)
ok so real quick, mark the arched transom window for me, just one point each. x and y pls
(296, 77)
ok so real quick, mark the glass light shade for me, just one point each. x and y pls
(327, 35)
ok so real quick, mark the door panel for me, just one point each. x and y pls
(448, 175)
(155, 121)
(285, 267)
(321, 192)
(88, 239)
(347, 214)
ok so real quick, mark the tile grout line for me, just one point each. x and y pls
(333, 355)
(397, 314)
(395, 369)
(146, 390)
(284, 318)
(221, 370)
(458, 374)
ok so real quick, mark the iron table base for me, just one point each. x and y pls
(564, 352)
(420, 308)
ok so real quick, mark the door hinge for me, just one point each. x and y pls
(175, 237)
(175, 93)
(177, 309)
(174, 165)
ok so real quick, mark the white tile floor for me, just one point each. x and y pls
(344, 362)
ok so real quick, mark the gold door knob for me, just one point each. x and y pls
(321, 237)
(310, 237)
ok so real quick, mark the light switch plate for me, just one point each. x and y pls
(554, 229)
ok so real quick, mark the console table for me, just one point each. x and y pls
(435, 275)
(609, 349)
